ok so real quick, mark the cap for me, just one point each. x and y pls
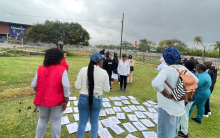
(130, 56)
(103, 56)
(124, 55)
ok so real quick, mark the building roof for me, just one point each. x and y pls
(15, 23)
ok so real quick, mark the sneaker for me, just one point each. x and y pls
(181, 134)
(124, 91)
(119, 90)
(112, 88)
(128, 83)
(209, 113)
(197, 121)
(206, 115)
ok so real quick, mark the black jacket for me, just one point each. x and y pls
(108, 65)
(212, 71)
(115, 60)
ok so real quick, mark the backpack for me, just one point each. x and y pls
(185, 87)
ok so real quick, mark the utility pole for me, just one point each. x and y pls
(122, 22)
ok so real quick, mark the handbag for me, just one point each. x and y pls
(131, 68)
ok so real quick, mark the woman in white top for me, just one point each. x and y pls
(170, 111)
(162, 65)
(123, 71)
(92, 80)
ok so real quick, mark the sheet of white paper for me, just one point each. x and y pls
(113, 98)
(131, 136)
(117, 129)
(151, 102)
(140, 115)
(109, 111)
(72, 128)
(126, 102)
(114, 76)
(106, 122)
(129, 127)
(120, 115)
(102, 113)
(65, 120)
(151, 115)
(147, 104)
(155, 120)
(132, 117)
(147, 122)
(117, 98)
(149, 134)
(141, 108)
(133, 108)
(126, 109)
(76, 109)
(105, 99)
(117, 109)
(75, 103)
(100, 125)
(114, 120)
(155, 106)
(72, 98)
(131, 97)
(103, 133)
(139, 126)
(68, 110)
(76, 117)
(135, 102)
(123, 97)
(88, 127)
(68, 104)
(106, 104)
(152, 110)
(118, 103)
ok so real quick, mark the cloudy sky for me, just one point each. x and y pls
(151, 19)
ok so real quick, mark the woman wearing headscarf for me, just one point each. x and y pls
(203, 92)
(52, 87)
(131, 62)
(169, 110)
(162, 65)
(92, 80)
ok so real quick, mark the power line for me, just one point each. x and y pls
(57, 18)
(128, 35)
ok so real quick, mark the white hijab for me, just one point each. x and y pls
(162, 65)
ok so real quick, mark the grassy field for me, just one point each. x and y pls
(16, 74)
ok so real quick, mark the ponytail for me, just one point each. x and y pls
(90, 74)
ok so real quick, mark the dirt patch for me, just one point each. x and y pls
(17, 92)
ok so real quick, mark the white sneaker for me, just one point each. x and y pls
(206, 115)
(209, 113)
(119, 83)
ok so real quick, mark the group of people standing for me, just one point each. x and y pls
(171, 113)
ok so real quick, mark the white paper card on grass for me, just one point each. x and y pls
(123, 97)
(152, 110)
(117, 98)
(141, 108)
(106, 104)
(103, 133)
(113, 98)
(114, 120)
(76, 117)
(155, 106)
(126, 102)
(75, 103)
(139, 126)
(118, 103)
(106, 122)
(76, 109)
(133, 108)
(132, 117)
(140, 115)
(105, 99)
(102, 113)
(88, 127)
(151, 102)
(72, 98)
(155, 120)
(100, 125)
(147, 104)
(120, 115)
(149, 134)
(131, 136)
(72, 128)
(117, 109)
(126, 109)
(135, 102)
(109, 111)
(68, 104)
(65, 120)
(131, 97)
(147, 122)
(129, 127)
(117, 129)
(68, 110)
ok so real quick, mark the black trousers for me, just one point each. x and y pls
(123, 78)
(207, 108)
(110, 78)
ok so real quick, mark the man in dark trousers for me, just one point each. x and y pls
(108, 65)
(212, 71)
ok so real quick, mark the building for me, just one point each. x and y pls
(14, 30)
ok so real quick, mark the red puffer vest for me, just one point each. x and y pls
(49, 86)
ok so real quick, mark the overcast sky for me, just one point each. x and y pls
(151, 19)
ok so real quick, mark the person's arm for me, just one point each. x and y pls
(78, 84)
(34, 83)
(201, 81)
(119, 69)
(128, 68)
(158, 82)
(66, 89)
(106, 86)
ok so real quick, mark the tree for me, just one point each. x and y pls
(174, 43)
(198, 40)
(217, 46)
(126, 44)
(52, 32)
(145, 44)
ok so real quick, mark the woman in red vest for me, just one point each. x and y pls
(52, 93)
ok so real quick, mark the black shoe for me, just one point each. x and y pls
(119, 90)
(181, 134)
(197, 121)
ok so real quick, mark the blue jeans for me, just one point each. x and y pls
(85, 114)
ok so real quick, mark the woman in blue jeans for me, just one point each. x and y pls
(92, 80)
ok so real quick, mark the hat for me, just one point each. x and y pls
(130, 56)
(124, 55)
(171, 55)
(95, 57)
(103, 56)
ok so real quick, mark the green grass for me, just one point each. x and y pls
(18, 72)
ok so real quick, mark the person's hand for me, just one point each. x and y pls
(155, 66)
(118, 74)
(128, 75)
(64, 106)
